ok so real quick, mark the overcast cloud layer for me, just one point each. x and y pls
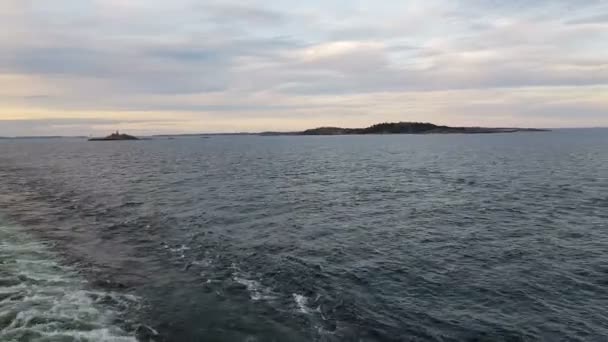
(152, 66)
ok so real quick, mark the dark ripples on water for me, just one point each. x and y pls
(359, 238)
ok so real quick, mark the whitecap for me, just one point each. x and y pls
(179, 249)
(256, 290)
(301, 302)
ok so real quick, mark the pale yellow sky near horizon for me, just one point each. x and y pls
(466, 108)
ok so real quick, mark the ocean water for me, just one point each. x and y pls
(500, 237)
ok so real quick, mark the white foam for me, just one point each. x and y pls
(301, 302)
(203, 262)
(50, 302)
(180, 250)
(97, 335)
(256, 290)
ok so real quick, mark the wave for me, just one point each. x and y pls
(256, 290)
(301, 302)
(43, 300)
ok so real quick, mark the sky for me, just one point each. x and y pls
(88, 67)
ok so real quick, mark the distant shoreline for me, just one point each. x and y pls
(451, 130)
(378, 129)
(406, 128)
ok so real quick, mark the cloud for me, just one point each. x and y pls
(260, 61)
(71, 126)
(248, 14)
(596, 19)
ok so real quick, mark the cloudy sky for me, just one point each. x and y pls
(151, 66)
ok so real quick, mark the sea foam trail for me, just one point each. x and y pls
(301, 302)
(41, 300)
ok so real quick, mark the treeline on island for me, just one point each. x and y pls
(403, 128)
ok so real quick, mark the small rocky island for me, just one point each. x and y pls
(116, 136)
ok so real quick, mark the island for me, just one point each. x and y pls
(116, 136)
(405, 128)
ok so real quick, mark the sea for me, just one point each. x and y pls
(488, 237)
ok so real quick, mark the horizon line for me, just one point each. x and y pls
(243, 133)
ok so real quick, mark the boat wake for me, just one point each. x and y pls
(41, 300)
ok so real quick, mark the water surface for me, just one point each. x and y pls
(497, 237)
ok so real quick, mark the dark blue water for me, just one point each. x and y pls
(346, 238)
